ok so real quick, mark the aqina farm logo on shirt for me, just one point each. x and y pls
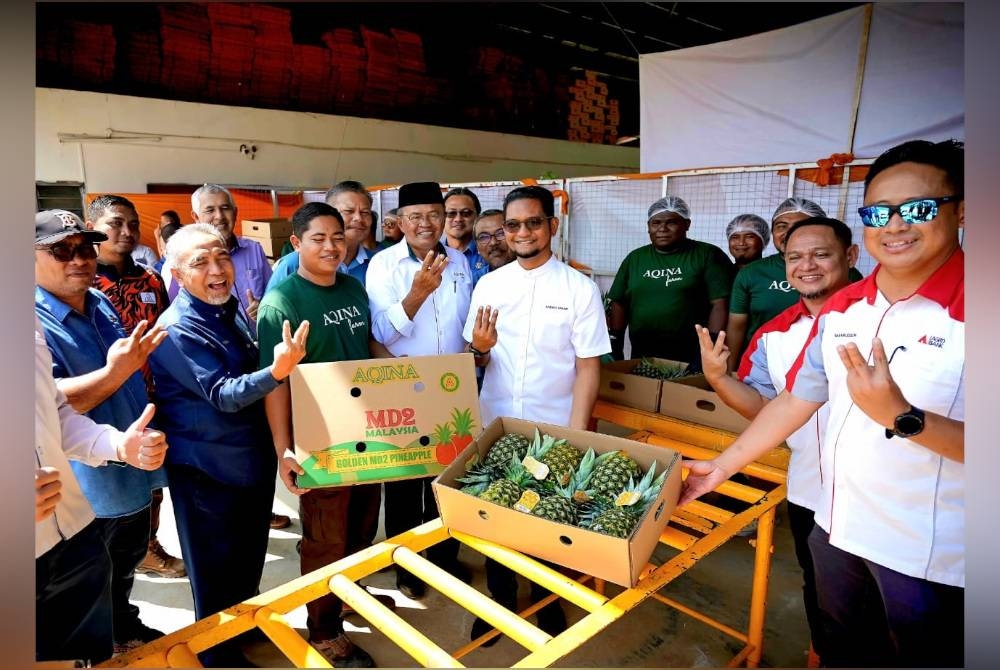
(668, 274)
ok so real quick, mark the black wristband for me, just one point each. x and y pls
(477, 353)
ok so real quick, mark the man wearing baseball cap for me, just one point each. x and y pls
(98, 368)
(663, 289)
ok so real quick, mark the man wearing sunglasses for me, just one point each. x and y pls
(461, 209)
(888, 355)
(537, 327)
(98, 368)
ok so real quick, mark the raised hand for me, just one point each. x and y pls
(142, 447)
(252, 305)
(872, 387)
(484, 331)
(703, 476)
(290, 350)
(47, 492)
(714, 355)
(428, 277)
(129, 354)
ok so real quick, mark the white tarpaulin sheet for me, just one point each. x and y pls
(788, 95)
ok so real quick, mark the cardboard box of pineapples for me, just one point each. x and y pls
(590, 502)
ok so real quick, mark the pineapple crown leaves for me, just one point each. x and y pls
(463, 422)
(443, 432)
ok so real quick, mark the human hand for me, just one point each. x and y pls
(47, 492)
(872, 387)
(288, 468)
(431, 271)
(484, 331)
(142, 447)
(714, 355)
(290, 350)
(703, 476)
(128, 354)
(252, 305)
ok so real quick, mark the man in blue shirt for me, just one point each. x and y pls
(221, 466)
(99, 370)
(461, 209)
(354, 203)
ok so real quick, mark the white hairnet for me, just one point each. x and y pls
(798, 205)
(671, 203)
(749, 223)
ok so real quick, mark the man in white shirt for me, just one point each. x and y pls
(72, 565)
(538, 328)
(419, 292)
(819, 253)
(888, 355)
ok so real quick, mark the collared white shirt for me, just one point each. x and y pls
(436, 328)
(890, 500)
(61, 434)
(547, 318)
(772, 351)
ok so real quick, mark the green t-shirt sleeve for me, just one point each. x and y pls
(270, 319)
(619, 287)
(719, 274)
(854, 275)
(739, 299)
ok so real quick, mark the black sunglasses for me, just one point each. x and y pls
(64, 253)
(920, 210)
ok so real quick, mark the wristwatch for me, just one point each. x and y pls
(907, 424)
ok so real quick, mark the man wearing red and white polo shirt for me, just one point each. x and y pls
(888, 353)
(819, 255)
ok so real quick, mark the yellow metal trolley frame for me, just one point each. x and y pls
(695, 531)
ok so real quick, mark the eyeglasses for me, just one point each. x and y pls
(484, 238)
(920, 210)
(513, 226)
(464, 213)
(417, 219)
(64, 253)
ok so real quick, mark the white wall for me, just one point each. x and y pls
(76, 139)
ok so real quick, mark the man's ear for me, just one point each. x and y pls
(295, 242)
(176, 274)
(852, 255)
(961, 214)
(194, 216)
(553, 225)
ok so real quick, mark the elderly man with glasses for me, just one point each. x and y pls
(418, 292)
(663, 289)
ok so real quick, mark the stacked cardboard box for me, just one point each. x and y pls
(593, 117)
(186, 46)
(87, 51)
(269, 233)
(272, 58)
(311, 70)
(381, 72)
(350, 61)
(412, 79)
(142, 57)
(232, 50)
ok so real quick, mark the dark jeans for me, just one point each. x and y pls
(127, 540)
(502, 584)
(154, 513)
(409, 503)
(73, 599)
(879, 617)
(223, 531)
(336, 522)
(801, 520)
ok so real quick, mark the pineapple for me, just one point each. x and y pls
(654, 370)
(612, 472)
(510, 444)
(506, 490)
(604, 516)
(563, 505)
(562, 458)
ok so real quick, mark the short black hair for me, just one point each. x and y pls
(103, 202)
(539, 193)
(167, 230)
(948, 156)
(840, 229)
(172, 215)
(461, 190)
(304, 215)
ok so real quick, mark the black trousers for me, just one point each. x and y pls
(223, 531)
(73, 599)
(409, 503)
(801, 522)
(127, 540)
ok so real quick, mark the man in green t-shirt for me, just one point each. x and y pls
(761, 290)
(336, 522)
(663, 289)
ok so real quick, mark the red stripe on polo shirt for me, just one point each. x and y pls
(779, 324)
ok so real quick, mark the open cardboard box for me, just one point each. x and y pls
(359, 422)
(614, 559)
(275, 228)
(691, 398)
(620, 386)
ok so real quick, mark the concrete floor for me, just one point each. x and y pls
(652, 635)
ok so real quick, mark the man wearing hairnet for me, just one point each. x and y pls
(663, 289)
(747, 235)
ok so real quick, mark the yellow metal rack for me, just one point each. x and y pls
(695, 531)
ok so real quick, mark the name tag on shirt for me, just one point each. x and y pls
(148, 298)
